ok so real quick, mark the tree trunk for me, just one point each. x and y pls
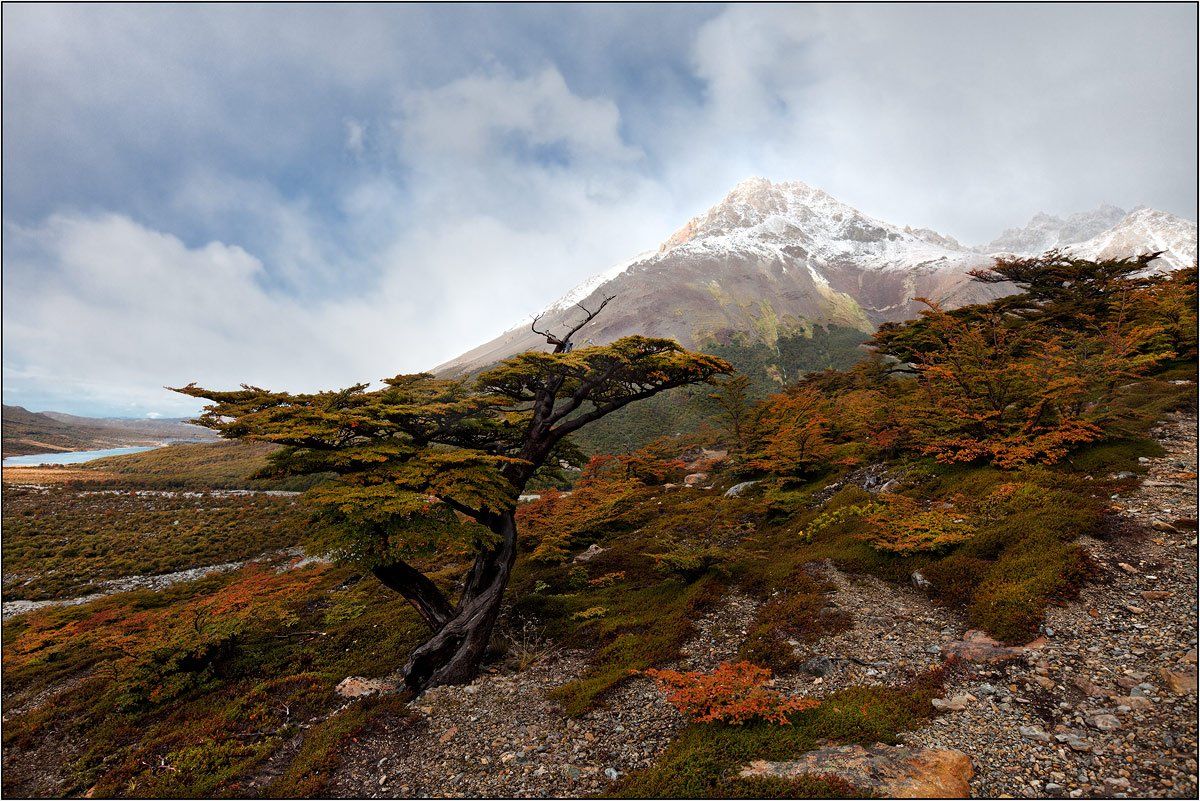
(454, 653)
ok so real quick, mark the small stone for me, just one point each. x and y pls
(355, 686)
(817, 666)
(956, 704)
(1180, 682)
(1034, 733)
(1134, 702)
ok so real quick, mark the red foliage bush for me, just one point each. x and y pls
(734, 693)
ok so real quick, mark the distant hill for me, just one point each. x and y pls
(26, 432)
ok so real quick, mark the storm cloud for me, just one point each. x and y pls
(304, 197)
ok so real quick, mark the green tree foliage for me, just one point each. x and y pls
(427, 463)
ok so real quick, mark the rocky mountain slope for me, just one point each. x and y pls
(776, 259)
(1047, 231)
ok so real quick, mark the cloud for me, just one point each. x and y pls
(312, 197)
(960, 117)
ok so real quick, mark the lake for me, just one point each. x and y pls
(71, 457)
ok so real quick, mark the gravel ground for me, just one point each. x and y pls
(897, 634)
(1086, 711)
(1092, 713)
(501, 736)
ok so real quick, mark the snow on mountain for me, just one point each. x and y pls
(769, 219)
(775, 259)
(1144, 231)
(1046, 231)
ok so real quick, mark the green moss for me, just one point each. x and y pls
(642, 628)
(800, 614)
(704, 760)
(319, 754)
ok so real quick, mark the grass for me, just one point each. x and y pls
(175, 702)
(703, 762)
(210, 465)
(61, 541)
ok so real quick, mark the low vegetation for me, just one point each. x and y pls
(976, 462)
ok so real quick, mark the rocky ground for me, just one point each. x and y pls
(1104, 704)
(1107, 706)
(501, 736)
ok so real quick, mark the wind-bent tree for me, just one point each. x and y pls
(426, 464)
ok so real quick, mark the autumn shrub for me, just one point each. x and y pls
(734, 693)
(901, 525)
(801, 614)
(789, 433)
(703, 761)
(689, 563)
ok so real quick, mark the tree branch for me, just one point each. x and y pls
(417, 588)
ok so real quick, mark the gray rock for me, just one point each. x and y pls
(737, 489)
(817, 666)
(592, 551)
(1034, 733)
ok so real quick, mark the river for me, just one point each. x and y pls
(70, 457)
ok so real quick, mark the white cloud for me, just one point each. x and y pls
(312, 198)
(356, 134)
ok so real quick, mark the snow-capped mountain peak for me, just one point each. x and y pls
(776, 259)
(1045, 231)
(1144, 230)
(762, 217)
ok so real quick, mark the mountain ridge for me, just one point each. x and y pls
(26, 432)
(779, 258)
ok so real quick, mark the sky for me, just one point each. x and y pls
(302, 198)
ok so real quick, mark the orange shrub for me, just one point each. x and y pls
(734, 693)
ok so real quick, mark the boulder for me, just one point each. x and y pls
(884, 770)
(737, 489)
(1180, 682)
(976, 646)
(592, 551)
(356, 686)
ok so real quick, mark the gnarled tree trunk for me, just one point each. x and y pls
(454, 653)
